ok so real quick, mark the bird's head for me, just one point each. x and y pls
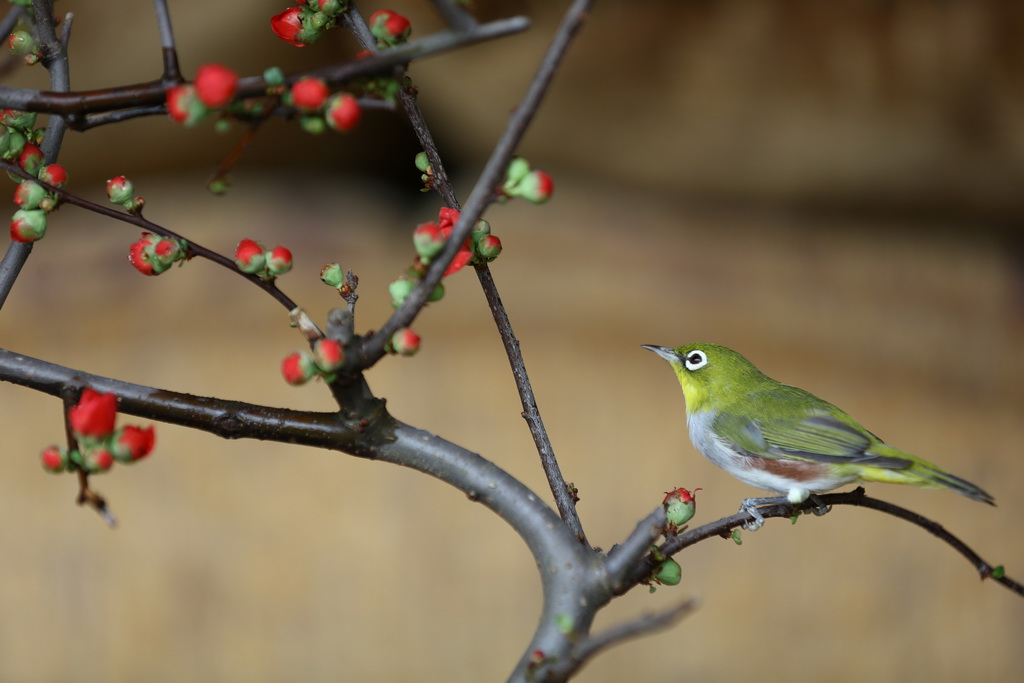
(709, 374)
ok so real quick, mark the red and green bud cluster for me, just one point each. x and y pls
(153, 254)
(522, 181)
(389, 27)
(319, 108)
(327, 357)
(214, 88)
(120, 190)
(405, 342)
(99, 443)
(22, 44)
(34, 201)
(429, 240)
(253, 258)
(679, 505)
(304, 24)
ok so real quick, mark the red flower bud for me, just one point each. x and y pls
(184, 105)
(488, 248)
(428, 240)
(28, 194)
(405, 342)
(54, 459)
(288, 26)
(94, 414)
(448, 217)
(298, 368)
(249, 256)
(279, 261)
(342, 112)
(54, 174)
(132, 443)
(536, 187)
(31, 158)
(389, 27)
(28, 225)
(119, 190)
(98, 460)
(215, 84)
(309, 93)
(153, 254)
(328, 354)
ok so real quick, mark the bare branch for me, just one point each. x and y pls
(172, 72)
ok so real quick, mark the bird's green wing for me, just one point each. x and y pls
(819, 437)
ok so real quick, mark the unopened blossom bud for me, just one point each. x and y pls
(405, 342)
(298, 368)
(132, 443)
(54, 459)
(488, 248)
(153, 254)
(278, 260)
(314, 125)
(119, 190)
(516, 171)
(332, 7)
(184, 105)
(288, 26)
(309, 94)
(20, 120)
(98, 460)
(342, 112)
(668, 573)
(215, 85)
(22, 43)
(28, 225)
(93, 415)
(389, 27)
(250, 256)
(333, 275)
(11, 142)
(274, 76)
(536, 187)
(480, 229)
(28, 194)
(328, 354)
(399, 289)
(422, 162)
(680, 505)
(31, 159)
(437, 294)
(428, 240)
(54, 174)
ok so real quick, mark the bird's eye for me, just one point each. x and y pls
(695, 360)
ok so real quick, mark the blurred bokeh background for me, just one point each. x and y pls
(831, 188)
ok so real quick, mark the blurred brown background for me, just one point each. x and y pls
(831, 188)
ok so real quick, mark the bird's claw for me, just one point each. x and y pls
(819, 508)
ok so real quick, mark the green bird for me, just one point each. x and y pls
(780, 438)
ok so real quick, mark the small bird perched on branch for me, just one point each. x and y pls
(781, 438)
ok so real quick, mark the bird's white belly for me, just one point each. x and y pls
(745, 468)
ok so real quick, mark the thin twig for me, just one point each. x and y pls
(155, 92)
(455, 15)
(192, 248)
(589, 647)
(172, 72)
(723, 527)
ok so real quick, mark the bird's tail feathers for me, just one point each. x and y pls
(926, 475)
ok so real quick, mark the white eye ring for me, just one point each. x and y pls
(695, 360)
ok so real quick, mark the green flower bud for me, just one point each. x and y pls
(399, 289)
(422, 162)
(314, 125)
(274, 76)
(668, 573)
(333, 275)
(437, 294)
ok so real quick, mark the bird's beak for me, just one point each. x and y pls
(665, 352)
